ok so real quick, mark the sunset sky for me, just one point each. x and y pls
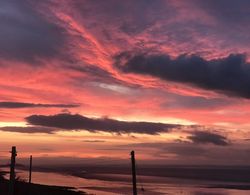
(94, 79)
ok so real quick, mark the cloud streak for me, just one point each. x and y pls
(30, 129)
(202, 137)
(74, 122)
(13, 105)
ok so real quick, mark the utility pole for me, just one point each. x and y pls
(12, 170)
(133, 172)
(30, 170)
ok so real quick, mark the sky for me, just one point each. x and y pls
(94, 79)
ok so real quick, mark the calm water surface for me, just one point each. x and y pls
(151, 185)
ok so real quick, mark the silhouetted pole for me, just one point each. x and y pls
(30, 170)
(12, 170)
(133, 172)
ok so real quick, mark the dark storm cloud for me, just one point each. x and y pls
(202, 137)
(29, 129)
(25, 34)
(71, 122)
(32, 105)
(229, 75)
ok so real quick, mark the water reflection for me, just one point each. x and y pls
(152, 185)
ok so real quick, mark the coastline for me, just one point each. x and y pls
(24, 188)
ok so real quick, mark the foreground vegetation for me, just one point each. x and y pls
(23, 188)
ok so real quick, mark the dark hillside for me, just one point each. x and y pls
(23, 188)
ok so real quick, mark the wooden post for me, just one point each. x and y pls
(12, 170)
(133, 173)
(30, 170)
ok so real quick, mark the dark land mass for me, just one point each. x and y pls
(231, 186)
(23, 188)
(236, 174)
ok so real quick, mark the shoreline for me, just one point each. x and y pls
(24, 188)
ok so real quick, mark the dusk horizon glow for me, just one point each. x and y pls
(89, 79)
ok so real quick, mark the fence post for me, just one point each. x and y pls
(30, 169)
(12, 170)
(133, 173)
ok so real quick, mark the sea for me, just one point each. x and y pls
(120, 184)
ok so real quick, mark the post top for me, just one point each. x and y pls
(13, 149)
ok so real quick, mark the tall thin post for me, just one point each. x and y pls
(30, 170)
(12, 170)
(133, 172)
